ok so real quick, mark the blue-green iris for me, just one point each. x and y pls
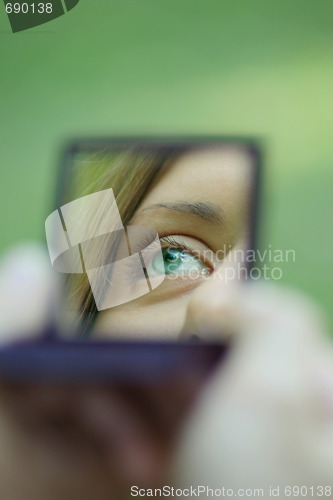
(177, 260)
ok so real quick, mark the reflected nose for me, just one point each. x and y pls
(210, 311)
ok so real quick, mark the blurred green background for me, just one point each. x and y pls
(251, 67)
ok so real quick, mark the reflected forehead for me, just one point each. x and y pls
(212, 174)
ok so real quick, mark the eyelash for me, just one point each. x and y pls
(170, 240)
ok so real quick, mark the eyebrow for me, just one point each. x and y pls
(209, 212)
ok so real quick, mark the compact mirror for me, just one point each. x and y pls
(140, 224)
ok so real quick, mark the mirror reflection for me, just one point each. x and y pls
(140, 226)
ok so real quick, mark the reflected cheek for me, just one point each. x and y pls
(159, 314)
(162, 320)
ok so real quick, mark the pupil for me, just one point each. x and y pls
(171, 254)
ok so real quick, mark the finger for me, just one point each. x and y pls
(218, 309)
(256, 420)
(27, 291)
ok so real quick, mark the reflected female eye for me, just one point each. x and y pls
(182, 258)
(177, 260)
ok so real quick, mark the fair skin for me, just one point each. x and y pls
(217, 178)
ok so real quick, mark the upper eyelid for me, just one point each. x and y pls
(171, 241)
(184, 235)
